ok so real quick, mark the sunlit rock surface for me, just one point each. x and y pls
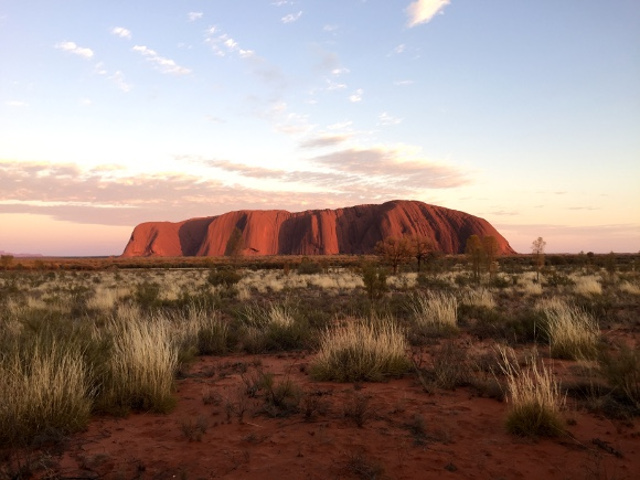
(351, 230)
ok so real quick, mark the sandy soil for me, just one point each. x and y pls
(218, 430)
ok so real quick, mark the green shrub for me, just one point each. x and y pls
(223, 276)
(309, 267)
(375, 280)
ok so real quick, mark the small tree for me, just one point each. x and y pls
(235, 244)
(421, 248)
(537, 249)
(394, 251)
(491, 252)
(374, 279)
(475, 253)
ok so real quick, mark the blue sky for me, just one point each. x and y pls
(117, 112)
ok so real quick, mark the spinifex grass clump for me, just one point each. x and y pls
(622, 371)
(573, 333)
(274, 328)
(140, 373)
(45, 387)
(368, 351)
(534, 397)
(435, 312)
(202, 331)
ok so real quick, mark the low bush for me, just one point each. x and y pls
(223, 276)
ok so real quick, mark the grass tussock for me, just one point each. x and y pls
(587, 286)
(622, 371)
(534, 397)
(435, 312)
(573, 333)
(275, 327)
(362, 351)
(479, 297)
(141, 370)
(45, 388)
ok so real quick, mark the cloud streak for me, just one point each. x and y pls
(72, 47)
(165, 65)
(292, 17)
(345, 177)
(422, 11)
(121, 32)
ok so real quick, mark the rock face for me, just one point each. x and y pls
(351, 230)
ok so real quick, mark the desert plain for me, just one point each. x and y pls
(320, 367)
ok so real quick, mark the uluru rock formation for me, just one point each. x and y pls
(351, 230)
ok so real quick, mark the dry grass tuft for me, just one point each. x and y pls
(435, 311)
(480, 297)
(141, 370)
(534, 396)
(573, 333)
(587, 286)
(46, 388)
(368, 351)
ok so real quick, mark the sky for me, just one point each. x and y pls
(116, 112)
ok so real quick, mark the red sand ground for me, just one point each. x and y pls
(463, 435)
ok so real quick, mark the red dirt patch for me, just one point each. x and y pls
(219, 431)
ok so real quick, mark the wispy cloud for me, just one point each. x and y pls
(385, 119)
(121, 32)
(356, 96)
(284, 120)
(71, 47)
(587, 208)
(16, 104)
(222, 44)
(68, 192)
(193, 16)
(292, 17)
(395, 167)
(403, 83)
(165, 65)
(323, 141)
(347, 177)
(118, 79)
(422, 11)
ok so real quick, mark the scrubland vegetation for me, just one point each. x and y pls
(112, 339)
